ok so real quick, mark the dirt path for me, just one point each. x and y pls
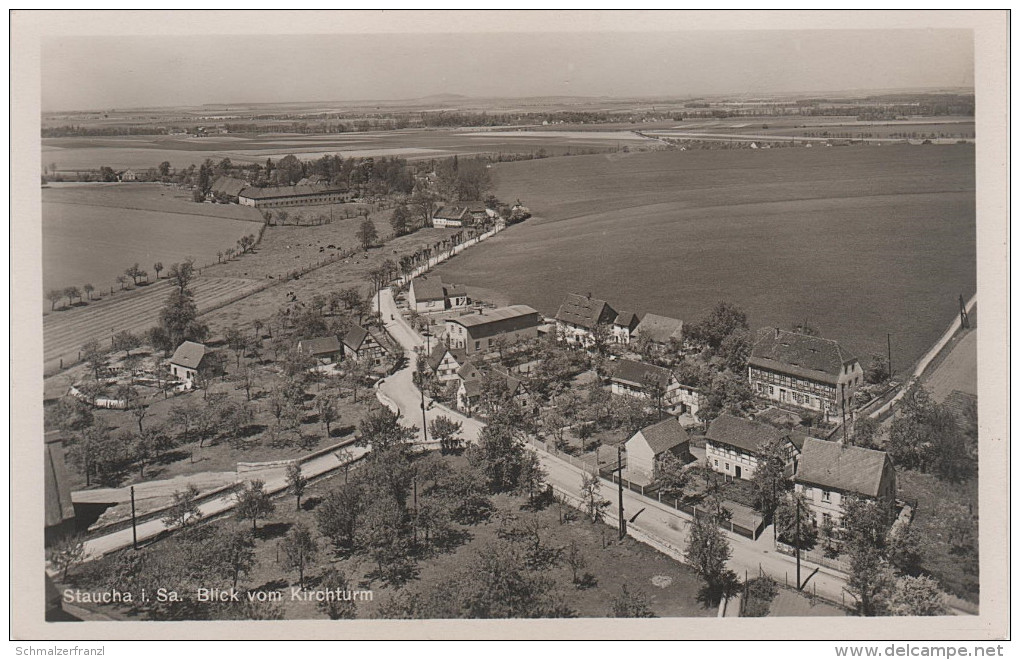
(958, 371)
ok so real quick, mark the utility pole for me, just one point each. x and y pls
(842, 396)
(619, 471)
(134, 528)
(424, 425)
(414, 527)
(888, 348)
(964, 317)
(797, 541)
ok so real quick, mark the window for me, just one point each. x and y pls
(826, 496)
(727, 466)
(826, 519)
(717, 462)
(477, 345)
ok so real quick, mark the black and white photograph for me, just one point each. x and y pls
(366, 320)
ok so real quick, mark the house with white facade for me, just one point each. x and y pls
(731, 446)
(428, 293)
(476, 333)
(647, 448)
(446, 362)
(579, 316)
(324, 350)
(624, 326)
(632, 378)
(188, 361)
(828, 473)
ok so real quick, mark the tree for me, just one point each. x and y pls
(54, 296)
(735, 349)
(382, 430)
(253, 502)
(71, 293)
(367, 234)
(88, 289)
(785, 517)
(181, 275)
(179, 322)
(125, 341)
(184, 509)
(473, 179)
(917, 596)
(446, 431)
(300, 548)
(574, 558)
(423, 205)
(325, 406)
(96, 453)
(630, 605)
(670, 476)
(724, 319)
(296, 482)
(769, 480)
(69, 551)
(866, 527)
(905, 551)
(654, 387)
(339, 514)
(707, 552)
(164, 168)
(71, 414)
(926, 436)
(866, 432)
(334, 581)
(878, 369)
(134, 272)
(591, 495)
(233, 553)
(400, 220)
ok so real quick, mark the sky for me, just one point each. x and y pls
(114, 72)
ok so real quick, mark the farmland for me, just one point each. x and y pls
(790, 235)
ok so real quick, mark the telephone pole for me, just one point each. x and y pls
(619, 470)
(797, 541)
(424, 424)
(888, 348)
(134, 528)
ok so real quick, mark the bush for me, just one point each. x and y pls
(760, 592)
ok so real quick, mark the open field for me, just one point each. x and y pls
(143, 152)
(777, 128)
(92, 233)
(788, 234)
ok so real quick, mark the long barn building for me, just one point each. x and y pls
(277, 196)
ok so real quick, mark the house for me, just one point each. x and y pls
(804, 371)
(451, 216)
(624, 326)
(659, 330)
(830, 472)
(428, 293)
(128, 175)
(446, 362)
(632, 378)
(228, 187)
(361, 345)
(188, 361)
(479, 212)
(647, 448)
(325, 350)
(731, 446)
(476, 333)
(278, 196)
(59, 509)
(579, 316)
(472, 385)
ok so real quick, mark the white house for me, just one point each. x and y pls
(579, 316)
(632, 378)
(830, 472)
(428, 293)
(446, 362)
(624, 326)
(361, 345)
(731, 446)
(188, 361)
(646, 448)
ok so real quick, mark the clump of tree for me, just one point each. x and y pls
(926, 436)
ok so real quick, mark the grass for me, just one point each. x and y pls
(939, 504)
(669, 587)
(787, 234)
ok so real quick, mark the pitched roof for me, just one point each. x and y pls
(272, 192)
(58, 490)
(842, 467)
(355, 337)
(228, 185)
(512, 382)
(450, 213)
(585, 311)
(742, 433)
(435, 358)
(665, 435)
(660, 328)
(805, 356)
(453, 290)
(633, 373)
(628, 320)
(496, 321)
(320, 345)
(469, 371)
(428, 288)
(189, 354)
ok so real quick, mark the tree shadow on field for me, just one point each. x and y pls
(310, 503)
(342, 431)
(271, 531)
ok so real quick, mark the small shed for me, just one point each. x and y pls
(325, 350)
(188, 360)
(649, 446)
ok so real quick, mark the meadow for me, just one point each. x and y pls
(856, 241)
(92, 233)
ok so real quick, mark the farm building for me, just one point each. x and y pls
(579, 316)
(57, 494)
(188, 361)
(451, 216)
(446, 362)
(476, 332)
(646, 448)
(804, 371)
(624, 326)
(828, 472)
(228, 187)
(659, 330)
(362, 345)
(632, 378)
(479, 212)
(128, 175)
(276, 196)
(428, 293)
(731, 446)
(325, 350)
(469, 394)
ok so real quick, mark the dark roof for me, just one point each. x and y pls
(58, 491)
(627, 320)
(435, 358)
(512, 382)
(742, 433)
(498, 321)
(428, 288)
(660, 328)
(665, 435)
(468, 371)
(320, 345)
(228, 185)
(842, 467)
(633, 373)
(189, 354)
(472, 387)
(584, 311)
(451, 213)
(800, 355)
(355, 337)
(273, 192)
(453, 290)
